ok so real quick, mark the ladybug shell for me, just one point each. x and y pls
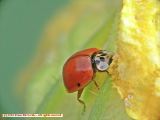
(78, 71)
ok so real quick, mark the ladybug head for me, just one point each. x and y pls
(101, 60)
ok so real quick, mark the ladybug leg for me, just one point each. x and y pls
(96, 84)
(81, 101)
(95, 81)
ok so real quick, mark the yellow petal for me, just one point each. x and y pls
(136, 66)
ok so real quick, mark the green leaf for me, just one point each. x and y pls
(108, 105)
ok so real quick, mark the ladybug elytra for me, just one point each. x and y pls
(79, 70)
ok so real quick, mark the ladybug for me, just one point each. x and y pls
(80, 69)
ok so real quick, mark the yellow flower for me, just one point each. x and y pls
(136, 66)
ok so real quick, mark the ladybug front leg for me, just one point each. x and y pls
(96, 84)
(93, 79)
(78, 98)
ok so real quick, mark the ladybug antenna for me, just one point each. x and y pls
(81, 101)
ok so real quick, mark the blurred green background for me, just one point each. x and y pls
(21, 25)
(36, 38)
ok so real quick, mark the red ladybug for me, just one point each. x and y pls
(79, 70)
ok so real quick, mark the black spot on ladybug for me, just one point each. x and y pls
(110, 61)
(78, 84)
(102, 59)
(103, 54)
(97, 61)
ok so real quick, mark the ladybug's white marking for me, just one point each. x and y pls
(101, 65)
(102, 60)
